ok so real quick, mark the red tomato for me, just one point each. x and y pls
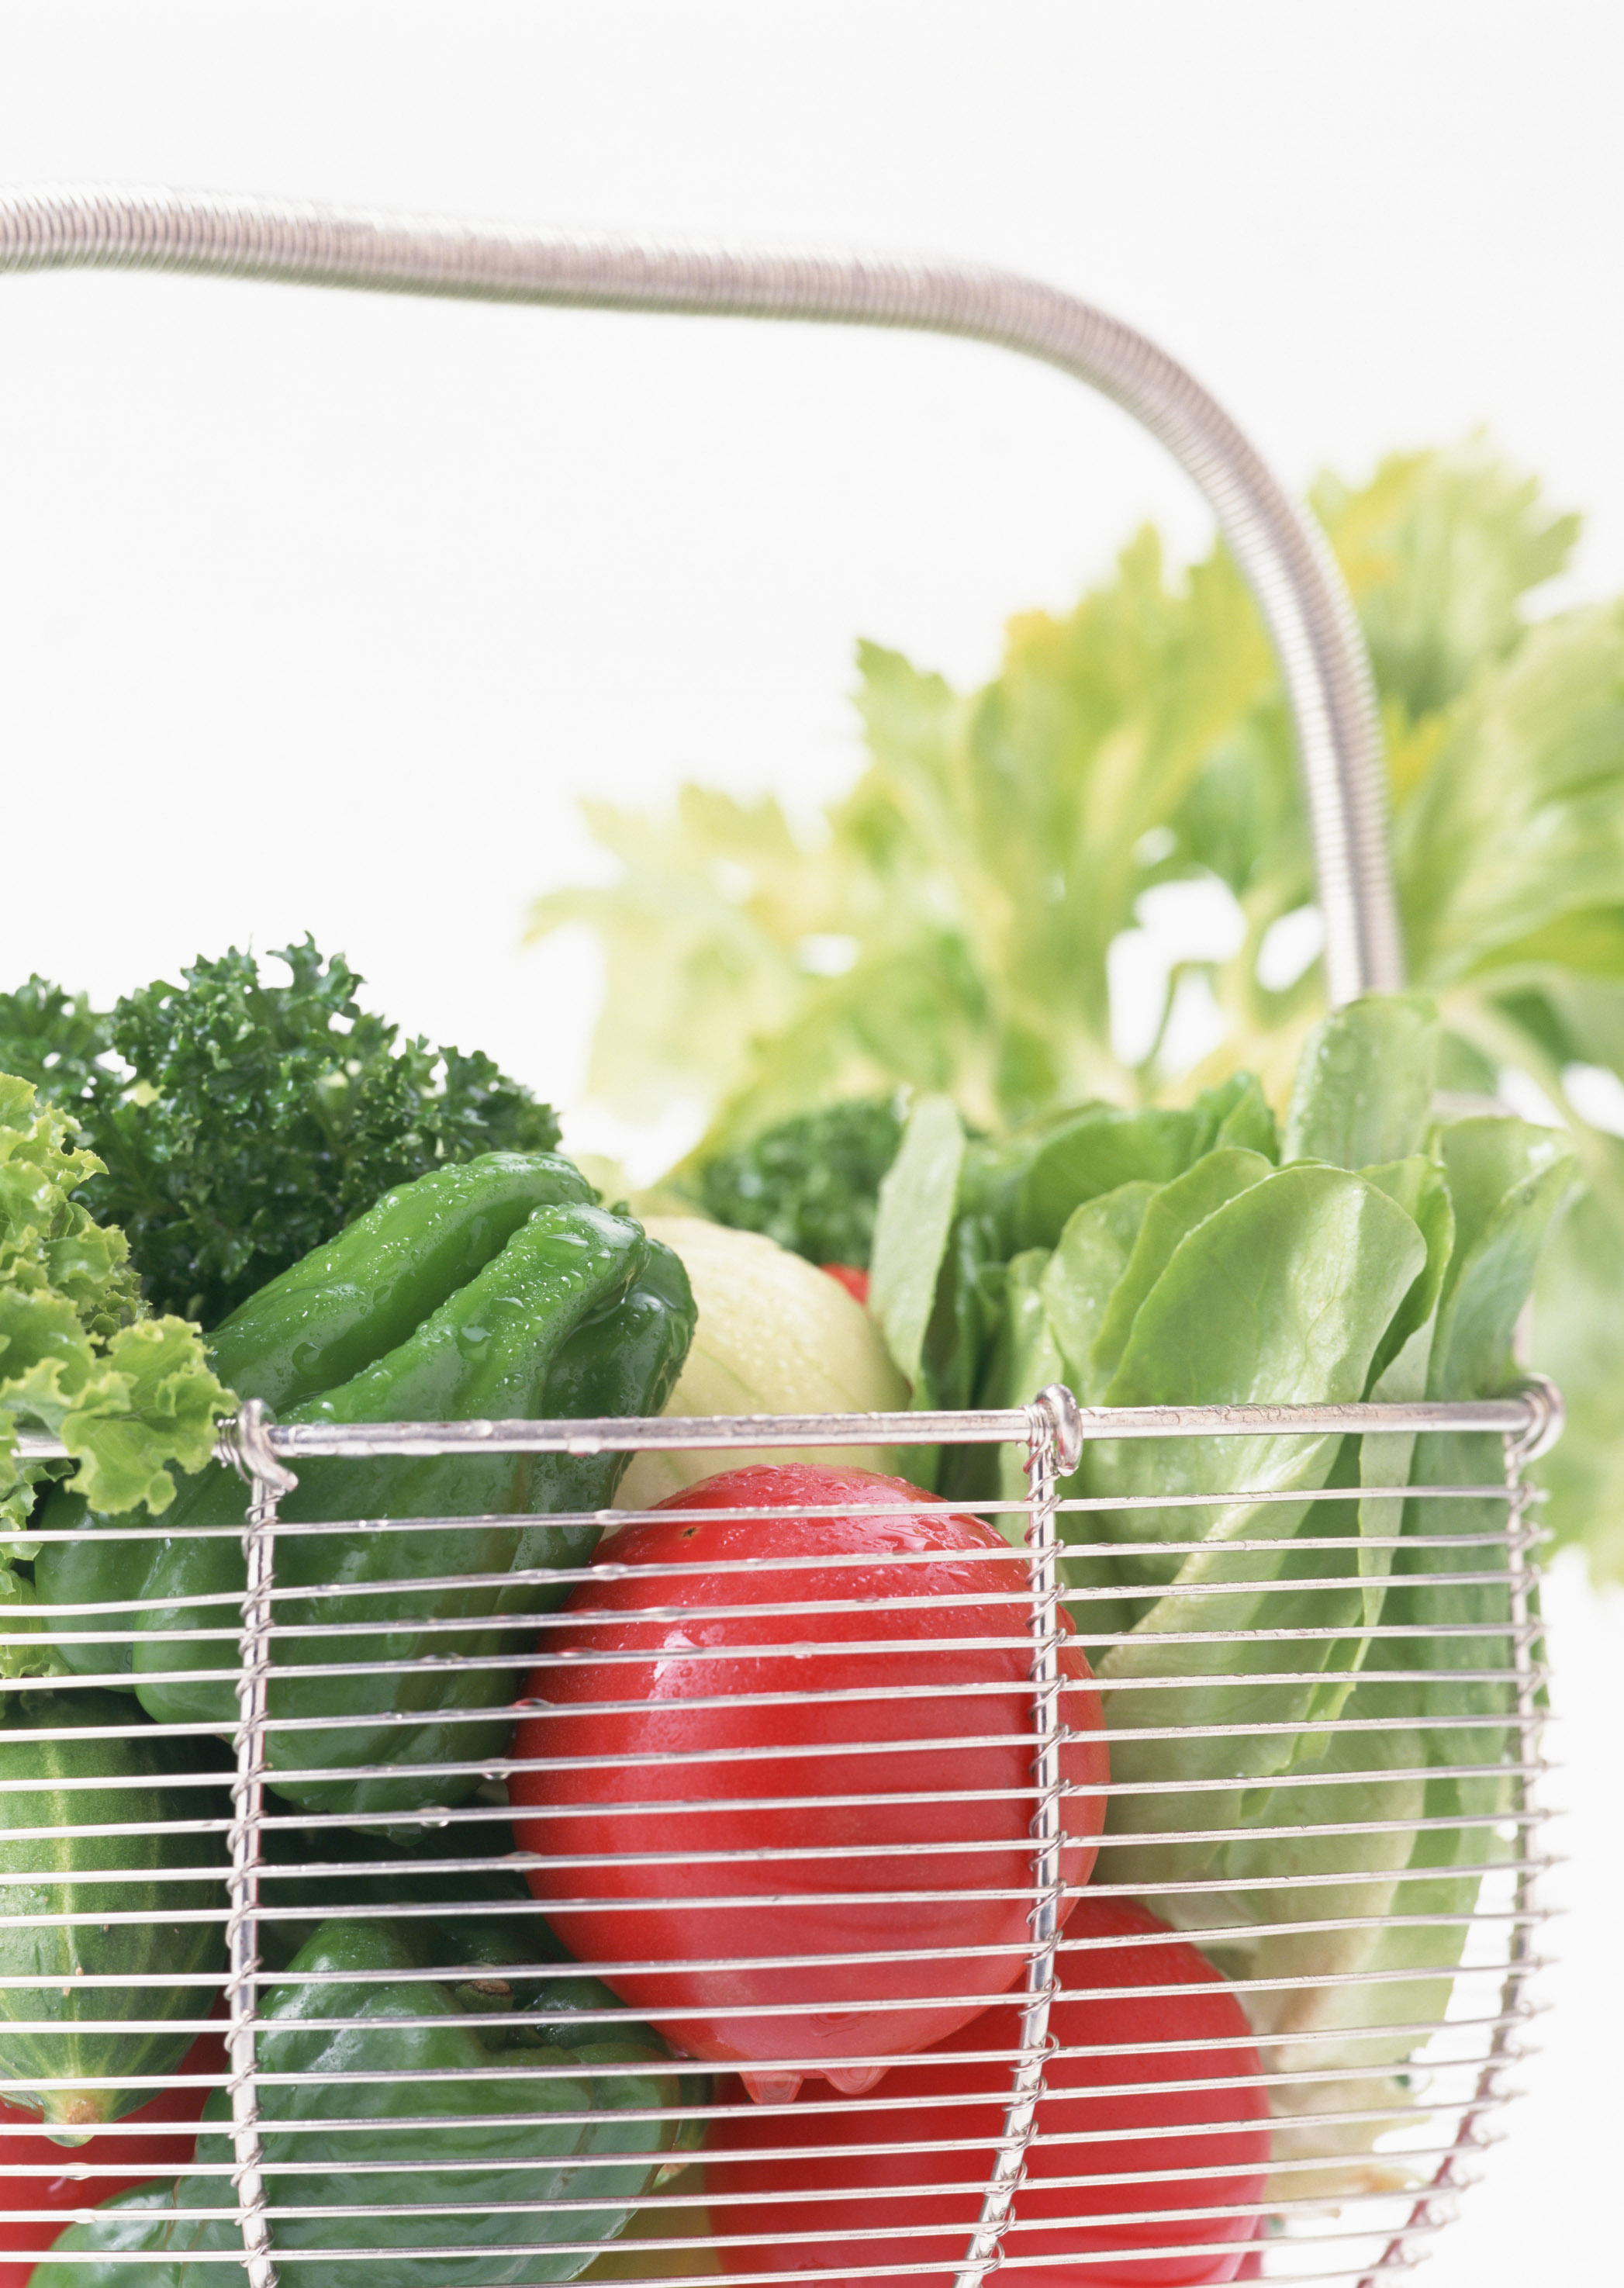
(112, 2160)
(686, 1753)
(1062, 2224)
(855, 1281)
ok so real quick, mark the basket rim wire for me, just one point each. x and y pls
(1466, 2085)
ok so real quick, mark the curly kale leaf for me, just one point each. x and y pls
(53, 1039)
(812, 1184)
(254, 1118)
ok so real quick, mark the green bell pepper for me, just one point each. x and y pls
(312, 1329)
(571, 1311)
(478, 2082)
(56, 1772)
(92, 2254)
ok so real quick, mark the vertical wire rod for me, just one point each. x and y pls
(268, 1481)
(1282, 555)
(1055, 1443)
(1446, 2184)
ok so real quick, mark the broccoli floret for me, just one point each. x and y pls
(810, 1183)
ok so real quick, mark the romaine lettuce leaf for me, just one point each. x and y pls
(1411, 1690)
(1364, 1086)
(918, 1196)
(1280, 1297)
(1082, 1278)
(1172, 1213)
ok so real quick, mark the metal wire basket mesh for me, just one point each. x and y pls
(938, 1826)
(1321, 2137)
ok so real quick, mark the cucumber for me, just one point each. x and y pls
(55, 1773)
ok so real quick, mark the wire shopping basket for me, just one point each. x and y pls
(835, 1888)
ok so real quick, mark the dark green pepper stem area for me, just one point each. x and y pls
(138, 1922)
(433, 2067)
(491, 1289)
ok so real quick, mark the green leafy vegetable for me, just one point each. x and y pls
(1278, 1297)
(975, 878)
(1213, 1275)
(1429, 1285)
(130, 1396)
(54, 1040)
(1171, 1213)
(917, 1205)
(1363, 1088)
(998, 843)
(254, 1118)
(1083, 1276)
(1099, 1149)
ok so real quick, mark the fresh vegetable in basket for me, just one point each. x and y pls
(490, 1289)
(1151, 2110)
(110, 2162)
(81, 1358)
(465, 2084)
(102, 1919)
(253, 1119)
(310, 1875)
(1004, 847)
(774, 1337)
(115, 2247)
(1159, 1259)
(718, 1712)
(810, 1183)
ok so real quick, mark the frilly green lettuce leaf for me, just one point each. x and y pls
(974, 877)
(130, 1396)
(27, 1648)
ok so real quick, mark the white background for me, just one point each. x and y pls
(319, 611)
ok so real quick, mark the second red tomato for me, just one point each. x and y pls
(1147, 2169)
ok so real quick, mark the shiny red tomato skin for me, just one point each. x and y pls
(117, 2160)
(851, 1277)
(730, 2013)
(933, 2224)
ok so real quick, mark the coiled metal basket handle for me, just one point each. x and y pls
(1281, 552)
